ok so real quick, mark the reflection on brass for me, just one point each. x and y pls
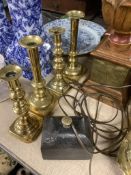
(58, 84)
(41, 100)
(25, 127)
(74, 69)
(124, 154)
(66, 121)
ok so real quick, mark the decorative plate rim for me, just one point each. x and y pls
(85, 23)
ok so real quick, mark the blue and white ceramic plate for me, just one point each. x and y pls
(89, 34)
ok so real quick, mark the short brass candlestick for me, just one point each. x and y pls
(41, 100)
(25, 127)
(74, 69)
(58, 84)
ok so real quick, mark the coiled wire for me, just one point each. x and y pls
(100, 129)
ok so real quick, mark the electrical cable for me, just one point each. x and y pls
(79, 104)
(4, 100)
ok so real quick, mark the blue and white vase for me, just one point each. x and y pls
(6, 32)
(27, 19)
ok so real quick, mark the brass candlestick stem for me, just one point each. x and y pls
(57, 84)
(74, 69)
(41, 101)
(25, 127)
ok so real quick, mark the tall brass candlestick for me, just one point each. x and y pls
(25, 127)
(74, 69)
(57, 84)
(41, 101)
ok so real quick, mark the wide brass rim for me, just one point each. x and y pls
(75, 14)
(10, 72)
(31, 41)
(57, 30)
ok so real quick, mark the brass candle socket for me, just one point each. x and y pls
(26, 127)
(41, 100)
(74, 69)
(58, 84)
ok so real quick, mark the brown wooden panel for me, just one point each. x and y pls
(121, 96)
(113, 54)
(63, 6)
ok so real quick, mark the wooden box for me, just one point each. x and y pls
(105, 72)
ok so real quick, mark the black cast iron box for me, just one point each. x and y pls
(59, 143)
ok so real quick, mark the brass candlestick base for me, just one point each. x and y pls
(74, 70)
(25, 127)
(41, 101)
(74, 73)
(58, 87)
(26, 131)
(58, 84)
(124, 154)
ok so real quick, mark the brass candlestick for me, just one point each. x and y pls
(41, 101)
(74, 69)
(57, 84)
(25, 127)
(124, 154)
